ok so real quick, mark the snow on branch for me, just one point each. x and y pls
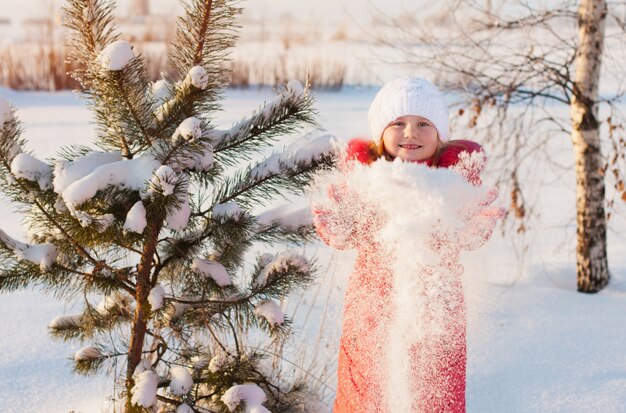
(129, 174)
(88, 353)
(224, 212)
(213, 270)
(271, 312)
(178, 214)
(301, 153)
(68, 172)
(43, 255)
(251, 394)
(197, 79)
(28, 167)
(136, 218)
(285, 217)
(116, 56)
(145, 389)
(291, 107)
(155, 298)
(286, 169)
(65, 322)
(181, 381)
(282, 263)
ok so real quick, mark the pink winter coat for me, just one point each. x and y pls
(437, 365)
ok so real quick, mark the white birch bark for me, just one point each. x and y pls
(591, 258)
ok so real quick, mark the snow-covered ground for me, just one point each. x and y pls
(535, 345)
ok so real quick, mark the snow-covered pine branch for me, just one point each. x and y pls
(284, 223)
(275, 276)
(88, 360)
(292, 108)
(133, 219)
(43, 255)
(286, 171)
(204, 37)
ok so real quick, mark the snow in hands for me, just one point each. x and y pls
(155, 223)
(422, 218)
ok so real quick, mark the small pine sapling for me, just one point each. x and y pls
(151, 227)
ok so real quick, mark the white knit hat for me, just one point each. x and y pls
(408, 96)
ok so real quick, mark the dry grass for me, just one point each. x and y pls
(46, 67)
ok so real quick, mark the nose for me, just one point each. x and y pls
(410, 130)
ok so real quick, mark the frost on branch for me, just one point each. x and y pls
(181, 381)
(212, 269)
(145, 389)
(251, 394)
(27, 167)
(43, 255)
(271, 312)
(116, 56)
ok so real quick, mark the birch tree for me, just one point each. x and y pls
(150, 227)
(519, 67)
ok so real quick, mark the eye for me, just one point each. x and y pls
(397, 123)
(423, 124)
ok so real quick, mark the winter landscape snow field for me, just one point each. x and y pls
(535, 344)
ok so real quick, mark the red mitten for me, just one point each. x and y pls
(361, 150)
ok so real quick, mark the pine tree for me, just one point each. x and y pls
(150, 228)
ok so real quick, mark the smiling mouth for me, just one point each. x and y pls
(410, 146)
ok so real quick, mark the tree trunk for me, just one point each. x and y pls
(591, 259)
(142, 309)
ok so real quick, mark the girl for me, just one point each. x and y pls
(409, 120)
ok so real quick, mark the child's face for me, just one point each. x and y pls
(411, 138)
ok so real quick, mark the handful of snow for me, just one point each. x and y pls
(423, 217)
(116, 55)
